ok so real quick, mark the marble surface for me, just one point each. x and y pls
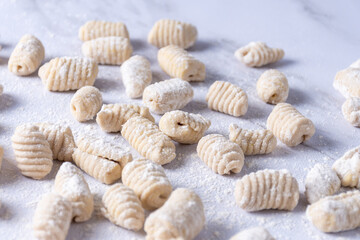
(319, 38)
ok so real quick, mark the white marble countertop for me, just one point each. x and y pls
(319, 38)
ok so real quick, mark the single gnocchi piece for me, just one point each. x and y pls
(68, 73)
(252, 142)
(52, 218)
(96, 29)
(146, 138)
(255, 233)
(27, 56)
(32, 151)
(172, 32)
(321, 181)
(272, 87)
(149, 182)
(178, 63)
(168, 95)
(258, 54)
(351, 111)
(60, 139)
(136, 75)
(336, 213)
(220, 154)
(181, 217)
(347, 81)
(112, 116)
(184, 127)
(101, 148)
(71, 184)
(123, 207)
(108, 50)
(227, 98)
(348, 168)
(289, 125)
(267, 189)
(100, 168)
(86, 103)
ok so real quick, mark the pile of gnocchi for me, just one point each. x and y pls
(176, 213)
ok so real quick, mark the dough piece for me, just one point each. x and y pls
(321, 181)
(178, 63)
(168, 95)
(102, 169)
(252, 142)
(52, 217)
(71, 184)
(347, 81)
(136, 75)
(123, 207)
(149, 182)
(86, 103)
(108, 50)
(254, 233)
(336, 213)
(27, 56)
(272, 87)
(32, 151)
(220, 154)
(227, 98)
(289, 125)
(351, 111)
(112, 116)
(171, 32)
(257, 54)
(181, 217)
(68, 73)
(60, 139)
(96, 29)
(184, 127)
(348, 168)
(101, 148)
(1, 158)
(146, 138)
(267, 189)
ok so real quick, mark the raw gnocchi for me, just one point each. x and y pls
(123, 207)
(68, 73)
(32, 151)
(60, 139)
(86, 103)
(146, 137)
(267, 189)
(255, 233)
(52, 217)
(181, 217)
(348, 168)
(220, 154)
(108, 50)
(347, 81)
(178, 63)
(336, 213)
(289, 125)
(272, 87)
(149, 182)
(71, 184)
(257, 54)
(27, 56)
(227, 98)
(136, 75)
(112, 116)
(252, 142)
(96, 29)
(351, 111)
(321, 181)
(184, 127)
(172, 32)
(168, 95)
